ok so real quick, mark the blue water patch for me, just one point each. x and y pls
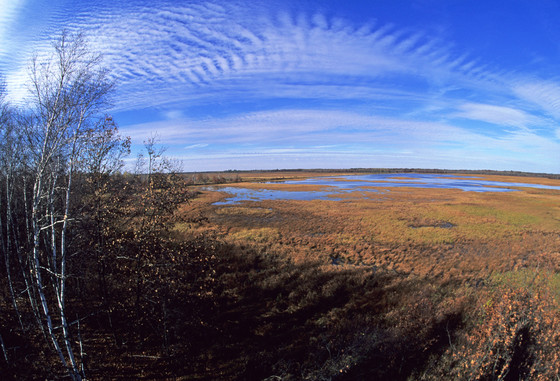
(244, 194)
(465, 183)
(338, 185)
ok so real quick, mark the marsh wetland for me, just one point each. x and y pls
(390, 276)
(429, 225)
(316, 276)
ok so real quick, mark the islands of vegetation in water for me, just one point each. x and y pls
(332, 187)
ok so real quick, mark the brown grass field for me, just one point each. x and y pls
(402, 284)
(428, 233)
(407, 283)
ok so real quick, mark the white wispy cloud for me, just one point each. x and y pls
(291, 132)
(199, 53)
(8, 14)
(500, 115)
(545, 94)
(199, 145)
(557, 133)
(198, 50)
(407, 86)
(173, 114)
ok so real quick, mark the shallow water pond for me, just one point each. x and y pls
(336, 186)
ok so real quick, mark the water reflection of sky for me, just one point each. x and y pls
(338, 185)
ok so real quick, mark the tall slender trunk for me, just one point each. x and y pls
(36, 263)
(26, 207)
(8, 247)
(50, 211)
(4, 350)
(27, 271)
(63, 253)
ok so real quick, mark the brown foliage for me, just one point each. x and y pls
(291, 291)
(516, 338)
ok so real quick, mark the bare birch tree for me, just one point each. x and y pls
(69, 91)
(6, 128)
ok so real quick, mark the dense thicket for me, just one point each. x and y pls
(49, 151)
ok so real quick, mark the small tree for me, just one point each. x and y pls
(68, 94)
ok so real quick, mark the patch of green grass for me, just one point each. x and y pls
(238, 210)
(529, 278)
(510, 217)
(431, 235)
(257, 235)
(181, 227)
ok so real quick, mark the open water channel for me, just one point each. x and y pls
(335, 186)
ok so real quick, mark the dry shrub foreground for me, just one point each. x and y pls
(421, 284)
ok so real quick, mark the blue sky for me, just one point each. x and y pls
(318, 84)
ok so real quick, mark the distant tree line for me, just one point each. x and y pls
(407, 170)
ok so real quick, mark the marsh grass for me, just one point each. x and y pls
(530, 279)
(256, 235)
(400, 286)
(237, 210)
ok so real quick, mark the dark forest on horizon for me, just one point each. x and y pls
(389, 171)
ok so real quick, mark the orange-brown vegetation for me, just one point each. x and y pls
(421, 232)
(401, 285)
(438, 250)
